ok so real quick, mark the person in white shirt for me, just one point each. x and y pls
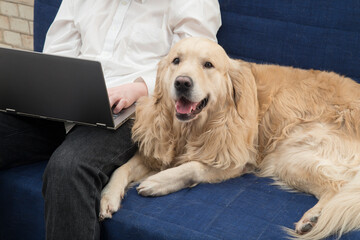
(128, 37)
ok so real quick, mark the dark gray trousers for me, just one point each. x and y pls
(79, 166)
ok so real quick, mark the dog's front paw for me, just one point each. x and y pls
(108, 205)
(151, 187)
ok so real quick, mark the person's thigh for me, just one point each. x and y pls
(95, 147)
(75, 176)
(26, 140)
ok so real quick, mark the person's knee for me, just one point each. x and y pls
(62, 170)
(69, 171)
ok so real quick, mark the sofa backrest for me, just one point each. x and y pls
(321, 34)
(44, 14)
(318, 34)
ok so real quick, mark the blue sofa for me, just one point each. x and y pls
(321, 34)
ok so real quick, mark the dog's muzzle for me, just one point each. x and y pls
(183, 86)
(186, 108)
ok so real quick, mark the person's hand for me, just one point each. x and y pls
(125, 95)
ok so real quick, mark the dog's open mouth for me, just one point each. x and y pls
(187, 110)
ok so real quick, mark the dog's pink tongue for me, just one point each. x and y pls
(184, 106)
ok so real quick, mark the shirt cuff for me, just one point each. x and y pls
(149, 78)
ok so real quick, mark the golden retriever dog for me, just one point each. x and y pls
(212, 118)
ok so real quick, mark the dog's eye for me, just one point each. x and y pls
(208, 65)
(176, 61)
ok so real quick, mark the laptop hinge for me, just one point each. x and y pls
(10, 110)
(100, 125)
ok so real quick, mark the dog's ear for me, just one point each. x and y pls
(244, 88)
(245, 96)
(159, 85)
(153, 121)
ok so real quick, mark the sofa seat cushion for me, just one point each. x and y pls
(247, 207)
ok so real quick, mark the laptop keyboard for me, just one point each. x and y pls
(115, 115)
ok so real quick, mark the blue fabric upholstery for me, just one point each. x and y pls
(243, 208)
(21, 203)
(44, 14)
(322, 34)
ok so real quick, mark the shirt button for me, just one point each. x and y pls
(124, 2)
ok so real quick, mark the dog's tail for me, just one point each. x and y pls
(340, 215)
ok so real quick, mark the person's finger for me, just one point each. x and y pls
(113, 101)
(122, 104)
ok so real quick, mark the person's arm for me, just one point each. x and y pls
(63, 37)
(199, 18)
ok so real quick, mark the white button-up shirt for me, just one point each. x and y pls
(129, 37)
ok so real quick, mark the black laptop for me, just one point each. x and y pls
(56, 88)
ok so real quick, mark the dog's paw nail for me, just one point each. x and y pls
(107, 213)
(142, 188)
(145, 191)
(101, 217)
(141, 191)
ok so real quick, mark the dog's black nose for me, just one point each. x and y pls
(183, 83)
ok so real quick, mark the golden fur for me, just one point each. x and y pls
(300, 127)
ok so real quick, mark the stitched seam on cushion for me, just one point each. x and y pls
(262, 61)
(180, 226)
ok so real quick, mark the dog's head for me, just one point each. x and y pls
(198, 83)
(194, 76)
